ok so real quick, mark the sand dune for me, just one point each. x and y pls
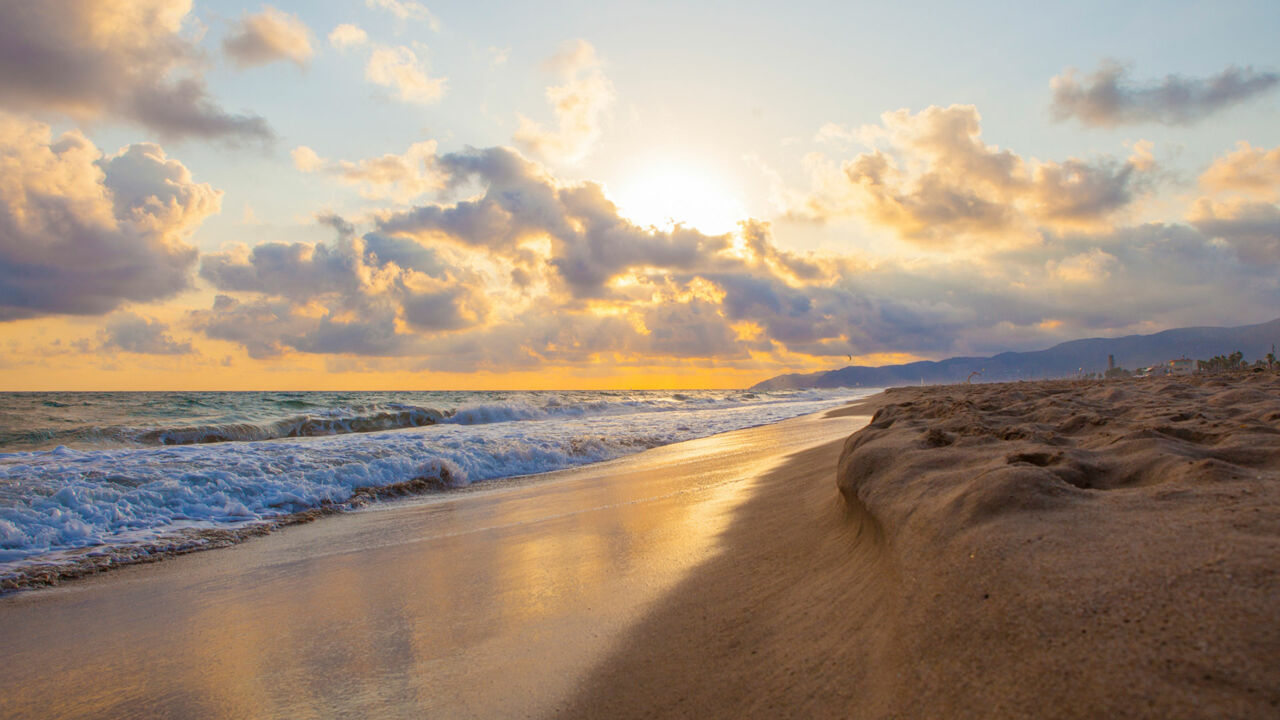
(1053, 549)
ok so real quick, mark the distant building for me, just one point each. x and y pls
(1111, 362)
(1182, 366)
(1152, 371)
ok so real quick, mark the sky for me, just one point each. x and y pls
(391, 194)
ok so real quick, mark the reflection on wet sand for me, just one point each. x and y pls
(492, 603)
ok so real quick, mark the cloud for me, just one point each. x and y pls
(131, 332)
(591, 243)
(266, 37)
(400, 177)
(1107, 97)
(406, 10)
(81, 232)
(1248, 170)
(579, 106)
(399, 68)
(499, 56)
(115, 59)
(1093, 266)
(511, 268)
(1247, 219)
(933, 179)
(1251, 229)
(346, 296)
(348, 36)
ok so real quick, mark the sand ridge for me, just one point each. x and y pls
(1039, 549)
(1116, 544)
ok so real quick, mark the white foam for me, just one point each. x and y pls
(61, 499)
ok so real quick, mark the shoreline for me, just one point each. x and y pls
(1015, 550)
(491, 604)
(973, 574)
(71, 564)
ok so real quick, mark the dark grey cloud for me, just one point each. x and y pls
(694, 329)
(448, 308)
(1251, 228)
(295, 270)
(81, 233)
(127, 61)
(268, 327)
(131, 332)
(1079, 191)
(262, 327)
(1108, 97)
(407, 253)
(370, 296)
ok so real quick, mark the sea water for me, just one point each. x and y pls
(87, 473)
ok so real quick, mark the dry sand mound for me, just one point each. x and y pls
(1080, 549)
(1046, 550)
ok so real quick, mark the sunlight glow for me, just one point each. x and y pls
(667, 193)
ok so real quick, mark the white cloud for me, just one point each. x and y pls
(931, 177)
(1249, 171)
(268, 36)
(399, 68)
(347, 36)
(579, 105)
(407, 10)
(400, 177)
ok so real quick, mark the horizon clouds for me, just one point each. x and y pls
(439, 256)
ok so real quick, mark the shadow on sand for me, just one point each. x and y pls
(764, 628)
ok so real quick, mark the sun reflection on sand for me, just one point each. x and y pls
(467, 605)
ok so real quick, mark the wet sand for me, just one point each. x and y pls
(1050, 550)
(494, 603)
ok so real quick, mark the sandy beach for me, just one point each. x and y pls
(491, 603)
(1054, 549)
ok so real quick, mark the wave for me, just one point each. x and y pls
(364, 419)
(336, 422)
(91, 503)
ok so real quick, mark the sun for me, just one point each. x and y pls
(665, 194)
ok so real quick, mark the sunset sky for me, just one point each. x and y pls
(392, 194)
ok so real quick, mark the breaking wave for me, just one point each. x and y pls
(65, 509)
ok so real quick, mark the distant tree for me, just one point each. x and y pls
(1117, 372)
(1222, 363)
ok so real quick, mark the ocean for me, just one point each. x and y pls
(96, 479)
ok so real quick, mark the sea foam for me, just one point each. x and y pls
(53, 501)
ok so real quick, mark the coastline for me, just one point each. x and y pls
(76, 512)
(1016, 550)
(964, 578)
(493, 603)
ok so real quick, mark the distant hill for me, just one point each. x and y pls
(1063, 360)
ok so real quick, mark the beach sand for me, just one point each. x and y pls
(1055, 549)
(493, 602)
(1050, 549)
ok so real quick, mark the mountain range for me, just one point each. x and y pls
(1066, 359)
